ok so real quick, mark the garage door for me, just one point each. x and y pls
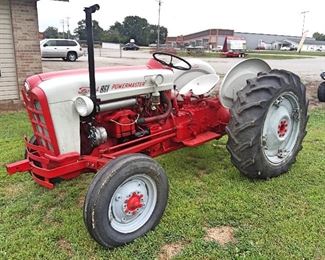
(8, 75)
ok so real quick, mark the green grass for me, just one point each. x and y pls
(288, 53)
(267, 55)
(275, 56)
(283, 218)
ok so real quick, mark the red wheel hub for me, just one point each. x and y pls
(133, 203)
(282, 128)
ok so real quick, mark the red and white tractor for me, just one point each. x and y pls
(114, 120)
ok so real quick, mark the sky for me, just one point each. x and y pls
(182, 17)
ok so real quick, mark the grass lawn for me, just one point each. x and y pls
(294, 53)
(266, 55)
(283, 218)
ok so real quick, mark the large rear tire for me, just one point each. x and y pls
(126, 199)
(268, 124)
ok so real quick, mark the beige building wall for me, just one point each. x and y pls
(26, 38)
(24, 45)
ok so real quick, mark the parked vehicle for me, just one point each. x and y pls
(194, 50)
(68, 50)
(234, 47)
(234, 54)
(112, 121)
(321, 89)
(285, 48)
(131, 47)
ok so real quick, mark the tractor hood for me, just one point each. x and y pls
(62, 88)
(111, 83)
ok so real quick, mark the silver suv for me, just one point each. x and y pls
(68, 50)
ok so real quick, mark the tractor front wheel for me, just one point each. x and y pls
(267, 126)
(125, 200)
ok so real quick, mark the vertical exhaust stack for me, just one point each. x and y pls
(91, 61)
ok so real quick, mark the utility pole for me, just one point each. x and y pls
(303, 21)
(62, 21)
(68, 25)
(158, 29)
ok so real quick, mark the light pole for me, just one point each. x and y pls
(303, 21)
(68, 25)
(158, 29)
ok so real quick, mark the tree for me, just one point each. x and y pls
(117, 27)
(51, 32)
(135, 27)
(153, 34)
(81, 33)
(115, 34)
(319, 36)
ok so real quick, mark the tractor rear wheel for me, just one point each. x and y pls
(321, 92)
(267, 125)
(125, 200)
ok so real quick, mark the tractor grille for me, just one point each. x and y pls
(40, 129)
(39, 114)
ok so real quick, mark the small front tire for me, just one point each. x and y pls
(126, 199)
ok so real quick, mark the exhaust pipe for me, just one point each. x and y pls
(91, 61)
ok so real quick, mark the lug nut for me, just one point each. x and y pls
(118, 197)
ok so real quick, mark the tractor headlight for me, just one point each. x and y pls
(26, 86)
(158, 79)
(84, 105)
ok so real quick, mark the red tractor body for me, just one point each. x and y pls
(187, 122)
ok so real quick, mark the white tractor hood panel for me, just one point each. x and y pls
(109, 85)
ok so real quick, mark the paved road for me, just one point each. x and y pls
(308, 69)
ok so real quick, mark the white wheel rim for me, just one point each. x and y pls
(72, 56)
(133, 203)
(281, 128)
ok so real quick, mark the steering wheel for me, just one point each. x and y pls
(171, 63)
(323, 75)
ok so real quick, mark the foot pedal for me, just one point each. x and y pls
(201, 138)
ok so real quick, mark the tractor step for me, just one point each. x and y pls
(201, 138)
